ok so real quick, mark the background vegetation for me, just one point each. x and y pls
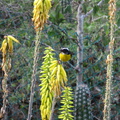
(60, 31)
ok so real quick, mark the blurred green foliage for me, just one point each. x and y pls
(60, 31)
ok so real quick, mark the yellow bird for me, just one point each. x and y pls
(65, 54)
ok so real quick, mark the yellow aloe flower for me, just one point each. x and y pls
(58, 77)
(7, 44)
(45, 90)
(6, 49)
(40, 13)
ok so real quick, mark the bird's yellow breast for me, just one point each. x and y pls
(64, 57)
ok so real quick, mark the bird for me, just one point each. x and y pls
(65, 54)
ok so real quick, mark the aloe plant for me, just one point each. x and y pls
(67, 105)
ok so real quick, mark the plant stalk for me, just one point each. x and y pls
(53, 108)
(109, 61)
(36, 52)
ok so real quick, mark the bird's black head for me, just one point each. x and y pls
(65, 50)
